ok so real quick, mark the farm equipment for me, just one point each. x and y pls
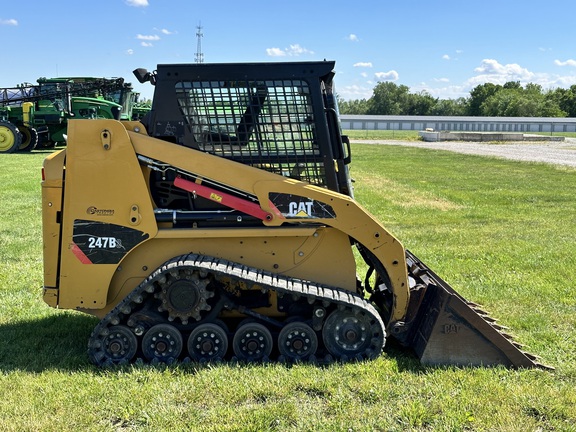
(30, 112)
(223, 226)
(110, 89)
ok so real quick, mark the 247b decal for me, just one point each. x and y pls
(103, 243)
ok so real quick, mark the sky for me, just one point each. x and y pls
(443, 47)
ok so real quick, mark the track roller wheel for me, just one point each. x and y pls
(10, 138)
(117, 346)
(297, 341)
(208, 342)
(162, 343)
(252, 342)
(352, 333)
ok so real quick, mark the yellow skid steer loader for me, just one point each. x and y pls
(223, 226)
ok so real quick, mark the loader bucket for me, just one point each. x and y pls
(448, 330)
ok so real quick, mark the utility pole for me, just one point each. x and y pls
(199, 56)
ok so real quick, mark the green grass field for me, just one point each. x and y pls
(502, 233)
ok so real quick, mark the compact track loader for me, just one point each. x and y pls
(223, 226)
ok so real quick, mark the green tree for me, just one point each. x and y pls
(514, 101)
(388, 99)
(565, 99)
(356, 106)
(512, 85)
(479, 95)
(450, 107)
(508, 100)
(419, 104)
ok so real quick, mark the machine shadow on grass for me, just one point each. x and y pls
(59, 342)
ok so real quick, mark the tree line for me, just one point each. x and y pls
(492, 100)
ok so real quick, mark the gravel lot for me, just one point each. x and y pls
(557, 153)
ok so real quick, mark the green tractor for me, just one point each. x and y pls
(32, 115)
(109, 89)
(16, 130)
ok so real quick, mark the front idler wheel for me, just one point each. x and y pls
(208, 342)
(351, 333)
(252, 342)
(162, 343)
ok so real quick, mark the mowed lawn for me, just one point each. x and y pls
(502, 233)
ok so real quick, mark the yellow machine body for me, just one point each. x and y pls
(224, 226)
(105, 183)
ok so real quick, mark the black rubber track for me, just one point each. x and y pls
(328, 298)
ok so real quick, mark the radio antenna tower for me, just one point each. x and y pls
(199, 56)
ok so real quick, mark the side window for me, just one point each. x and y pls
(268, 124)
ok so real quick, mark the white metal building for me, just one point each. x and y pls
(474, 124)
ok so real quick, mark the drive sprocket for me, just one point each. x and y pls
(184, 294)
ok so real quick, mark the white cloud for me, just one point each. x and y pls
(9, 22)
(452, 57)
(297, 50)
(387, 76)
(292, 51)
(353, 92)
(364, 74)
(167, 32)
(492, 71)
(363, 64)
(565, 63)
(137, 3)
(352, 37)
(148, 37)
(488, 71)
(130, 51)
(275, 52)
(146, 44)
(447, 92)
(560, 81)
